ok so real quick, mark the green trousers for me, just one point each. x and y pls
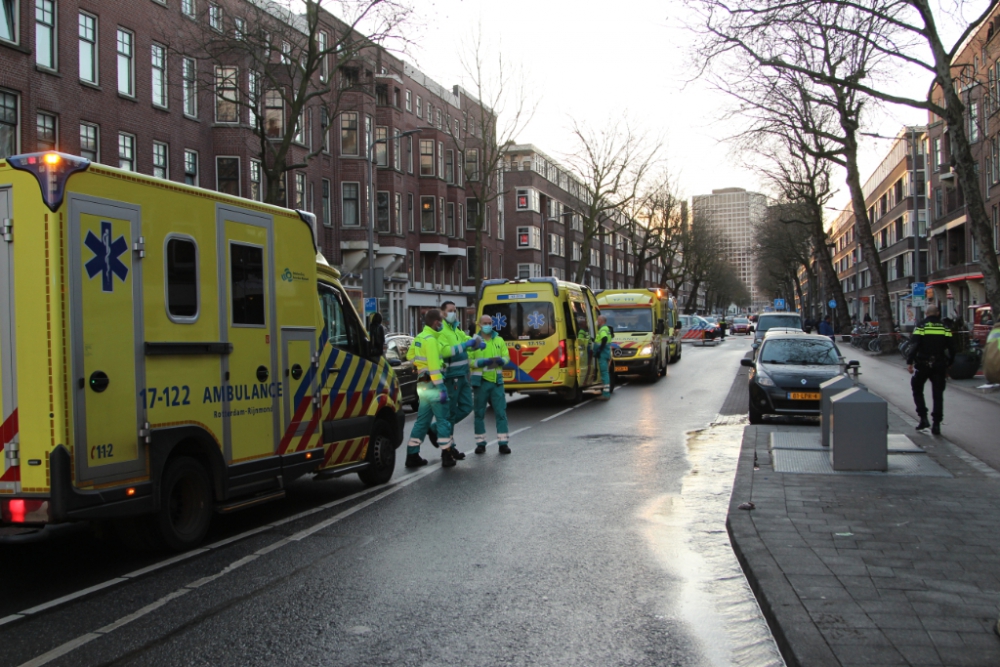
(459, 397)
(432, 414)
(604, 362)
(492, 393)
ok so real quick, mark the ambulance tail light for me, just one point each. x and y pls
(563, 357)
(24, 510)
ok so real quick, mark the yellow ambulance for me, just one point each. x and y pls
(549, 326)
(168, 352)
(645, 326)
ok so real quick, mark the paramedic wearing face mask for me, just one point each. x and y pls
(487, 381)
(455, 344)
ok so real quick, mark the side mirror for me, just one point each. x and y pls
(746, 362)
(660, 326)
(395, 362)
(854, 363)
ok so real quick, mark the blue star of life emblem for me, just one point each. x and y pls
(536, 320)
(105, 260)
(499, 321)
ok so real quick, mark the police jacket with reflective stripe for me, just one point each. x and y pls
(456, 359)
(425, 353)
(932, 343)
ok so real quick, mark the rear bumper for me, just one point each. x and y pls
(67, 503)
(632, 365)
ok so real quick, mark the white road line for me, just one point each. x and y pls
(589, 400)
(558, 414)
(73, 644)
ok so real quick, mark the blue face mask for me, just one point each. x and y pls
(487, 329)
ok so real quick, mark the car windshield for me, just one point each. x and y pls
(629, 319)
(779, 321)
(801, 352)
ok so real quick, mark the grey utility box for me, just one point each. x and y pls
(859, 431)
(828, 390)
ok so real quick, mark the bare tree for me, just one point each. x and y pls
(907, 38)
(701, 254)
(783, 247)
(280, 70)
(495, 111)
(652, 225)
(612, 163)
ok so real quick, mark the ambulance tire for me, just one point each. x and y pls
(186, 506)
(138, 533)
(676, 357)
(381, 456)
(653, 374)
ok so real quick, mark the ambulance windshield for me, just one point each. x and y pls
(524, 320)
(629, 319)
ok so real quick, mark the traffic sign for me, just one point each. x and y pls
(371, 306)
(919, 294)
(779, 304)
(832, 303)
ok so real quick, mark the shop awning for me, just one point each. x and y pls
(957, 279)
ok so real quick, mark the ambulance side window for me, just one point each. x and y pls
(580, 316)
(340, 334)
(182, 279)
(246, 273)
(570, 329)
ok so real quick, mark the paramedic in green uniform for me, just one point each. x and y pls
(603, 351)
(455, 344)
(487, 383)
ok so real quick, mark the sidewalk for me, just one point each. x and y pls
(970, 386)
(872, 569)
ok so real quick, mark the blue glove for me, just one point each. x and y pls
(497, 361)
(469, 343)
(444, 396)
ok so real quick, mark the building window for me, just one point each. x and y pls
(191, 167)
(449, 166)
(327, 220)
(160, 160)
(440, 156)
(227, 175)
(239, 28)
(159, 65)
(322, 43)
(428, 223)
(529, 237)
(274, 114)
(471, 213)
(349, 198)
(215, 17)
(45, 32)
(381, 146)
(472, 164)
(349, 133)
(527, 200)
(300, 191)
(410, 265)
(399, 213)
(8, 20)
(286, 53)
(46, 131)
(530, 270)
(125, 65)
(187, 7)
(440, 215)
(256, 193)
(190, 85)
(383, 224)
(411, 213)
(182, 280)
(226, 95)
(89, 142)
(396, 158)
(88, 47)
(409, 155)
(409, 101)
(126, 151)
(426, 157)
(419, 107)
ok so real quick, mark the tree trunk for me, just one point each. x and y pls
(833, 287)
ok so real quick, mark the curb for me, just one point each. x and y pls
(800, 642)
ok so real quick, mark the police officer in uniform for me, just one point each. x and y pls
(931, 354)
(603, 352)
(425, 352)
(487, 383)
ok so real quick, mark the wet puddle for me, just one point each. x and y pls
(687, 535)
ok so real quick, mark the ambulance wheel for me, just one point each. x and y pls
(185, 504)
(653, 374)
(676, 357)
(381, 456)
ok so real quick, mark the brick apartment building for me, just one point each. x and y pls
(895, 196)
(541, 205)
(955, 277)
(110, 80)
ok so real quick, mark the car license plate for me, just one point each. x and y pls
(621, 369)
(804, 396)
(508, 375)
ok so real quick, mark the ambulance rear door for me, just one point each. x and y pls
(106, 340)
(8, 367)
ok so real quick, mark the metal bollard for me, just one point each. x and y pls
(859, 431)
(828, 390)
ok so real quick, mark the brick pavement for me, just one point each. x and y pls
(868, 569)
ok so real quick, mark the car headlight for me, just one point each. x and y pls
(646, 349)
(763, 380)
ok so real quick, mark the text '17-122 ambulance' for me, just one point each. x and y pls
(167, 352)
(549, 326)
(645, 325)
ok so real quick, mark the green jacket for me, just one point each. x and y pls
(495, 347)
(603, 339)
(425, 353)
(454, 353)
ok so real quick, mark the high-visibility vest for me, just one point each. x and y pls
(425, 353)
(495, 347)
(453, 352)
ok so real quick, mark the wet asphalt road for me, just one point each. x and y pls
(600, 541)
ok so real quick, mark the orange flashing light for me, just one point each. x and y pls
(51, 158)
(130, 491)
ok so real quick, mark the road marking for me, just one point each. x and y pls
(558, 414)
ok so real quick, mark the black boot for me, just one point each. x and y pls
(504, 449)
(481, 448)
(458, 456)
(936, 428)
(923, 423)
(415, 461)
(447, 458)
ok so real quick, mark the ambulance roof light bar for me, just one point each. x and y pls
(52, 170)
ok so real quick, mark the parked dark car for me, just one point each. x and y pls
(774, 321)
(785, 376)
(396, 346)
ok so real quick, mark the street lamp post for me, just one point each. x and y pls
(371, 203)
